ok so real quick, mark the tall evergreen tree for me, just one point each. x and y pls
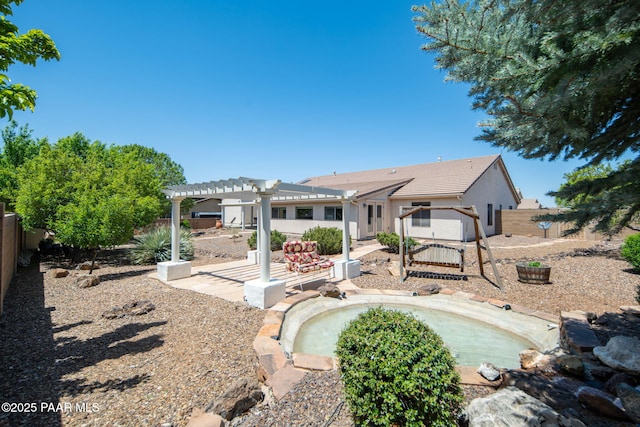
(558, 80)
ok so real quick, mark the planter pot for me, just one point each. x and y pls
(218, 223)
(538, 275)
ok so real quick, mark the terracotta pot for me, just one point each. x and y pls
(218, 223)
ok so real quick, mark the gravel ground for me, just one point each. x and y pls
(154, 369)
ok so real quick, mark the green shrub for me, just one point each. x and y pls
(534, 264)
(277, 239)
(329, 239)
(185, 224)
(155, 246)
(392, 242)
(630, 250)
(397, 371)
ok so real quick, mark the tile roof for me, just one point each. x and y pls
(427, 179)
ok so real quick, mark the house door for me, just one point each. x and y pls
(374, 219)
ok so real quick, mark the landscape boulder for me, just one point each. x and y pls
(133, 308)
(622, 353)
(394, 269)
(87, 280)
(87, 266)
(533, 359)
(600, 402)
(329, 290)
(630, 399)
(239, 397)
(515, 408)
(200, 418)
(58, 273)
(429, 289)
(570, 364)
(489, 371)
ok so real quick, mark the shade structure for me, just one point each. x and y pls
(262, 192)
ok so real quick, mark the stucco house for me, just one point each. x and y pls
(382, 195)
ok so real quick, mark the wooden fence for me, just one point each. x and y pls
(519, 222)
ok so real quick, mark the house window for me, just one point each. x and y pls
(304, 212)
(279, 213)
(333, 213)
(490, 214)
(422, 218)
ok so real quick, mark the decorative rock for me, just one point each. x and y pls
(576, 333)
(619, 378)
(630, 398)
(329, 290)
(531, 359)
(488, 371)
(133, 308)
(621, 353)
(87, 281)
(571, 364)
(429, 289)
(600, 402)
(239, 397)
(87, 266)
(559, 394)
(59, 272)
(199, 418)
(513, 407)
(394, 269)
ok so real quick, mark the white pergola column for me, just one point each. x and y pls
(175, 228)
(346, 268)
(176, 268)
(264, 292)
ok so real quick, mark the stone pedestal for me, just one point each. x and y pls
(344, 270)
(253, 257)
(264, 294)
(173, 270)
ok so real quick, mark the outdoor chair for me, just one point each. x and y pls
(302, 258)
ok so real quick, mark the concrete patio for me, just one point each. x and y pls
(226, 280)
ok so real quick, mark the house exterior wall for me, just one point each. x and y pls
(444, 224)
(232, 215)
(208, 205)
(491, 188)
(299, 226)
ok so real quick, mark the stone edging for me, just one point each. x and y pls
(280, 373)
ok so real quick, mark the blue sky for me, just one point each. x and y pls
(274, 90)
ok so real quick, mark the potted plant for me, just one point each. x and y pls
(533, 272)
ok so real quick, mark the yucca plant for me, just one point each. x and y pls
(155, 246)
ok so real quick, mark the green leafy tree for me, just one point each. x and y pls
(24, 48)
(90, 195)
(167, 172)
(18, 147)
(557, 80)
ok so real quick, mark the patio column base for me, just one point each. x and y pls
(344, 270)
(264, 294)
(253, 257)
(174, 270)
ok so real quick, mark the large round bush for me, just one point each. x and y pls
(397, 371)
(329, 239)
(630, 250)
(277, 239)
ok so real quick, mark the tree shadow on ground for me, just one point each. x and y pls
(33, 362)
(27, 352)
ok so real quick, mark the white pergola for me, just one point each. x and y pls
(255, 191)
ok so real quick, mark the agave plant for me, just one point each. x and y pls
(155, 246)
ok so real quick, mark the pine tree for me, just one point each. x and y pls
(558, 80)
